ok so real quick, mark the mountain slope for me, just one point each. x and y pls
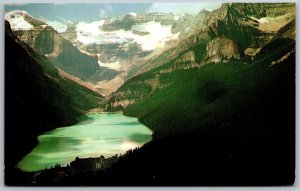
(86, 67)
(248, 24)
(46, 41)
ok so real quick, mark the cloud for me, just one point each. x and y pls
(192, 8)
(105, 11)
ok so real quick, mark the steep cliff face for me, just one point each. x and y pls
(48, 42)
(222, 50)
(43, 38)
(188, 56)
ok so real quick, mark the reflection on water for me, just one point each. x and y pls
(104, 134)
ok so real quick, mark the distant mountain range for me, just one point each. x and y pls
(112, 49)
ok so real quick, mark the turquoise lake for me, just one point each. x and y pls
(104, 134)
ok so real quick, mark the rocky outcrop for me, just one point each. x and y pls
(188, 56)
(119, 105)
(222, 50)
(44, 39)
(123, 103)
(48, 42)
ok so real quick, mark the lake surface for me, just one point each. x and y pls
(104, 134)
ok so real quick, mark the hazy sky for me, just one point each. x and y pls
(58, 15)
(91, 12)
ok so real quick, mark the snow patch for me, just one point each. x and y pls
(158, 35)
(44, 26)
(179, 16)
(85, 52)
(17, 20)
(91, 29)
(90, 33)
(112, 65)
(264, 20)
(132, 14)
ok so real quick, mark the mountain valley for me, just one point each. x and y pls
(216, 89)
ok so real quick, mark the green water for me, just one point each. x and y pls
(105, 134)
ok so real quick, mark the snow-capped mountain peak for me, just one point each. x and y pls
(17, 20)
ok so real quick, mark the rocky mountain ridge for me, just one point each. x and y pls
(110, 58)
(244, 23)
(232, 32)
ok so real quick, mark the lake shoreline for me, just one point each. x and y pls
(108, 133)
